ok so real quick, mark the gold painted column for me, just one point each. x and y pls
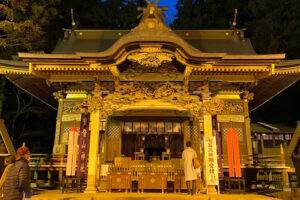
(208, 128)
(285, 175)
(93, 152)
(59, 96)
(248, 132)
(285, 180)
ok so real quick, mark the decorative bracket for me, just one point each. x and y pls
(59, 95)
(187, 72)
(32, 70)
(268, 73)
(115, 72)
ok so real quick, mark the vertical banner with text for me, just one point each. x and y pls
(84, 139)
(211, 161)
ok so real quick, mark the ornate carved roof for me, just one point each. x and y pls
(96, 53)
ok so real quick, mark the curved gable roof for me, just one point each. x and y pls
(206, 41)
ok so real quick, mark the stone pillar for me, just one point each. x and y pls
(93, 153)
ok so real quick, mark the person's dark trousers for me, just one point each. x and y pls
(193, 187)
(188, 187)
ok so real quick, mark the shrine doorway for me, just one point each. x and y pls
(156, 137)
(153, 145)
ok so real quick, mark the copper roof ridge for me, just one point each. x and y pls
(150, 36)
(13, 63)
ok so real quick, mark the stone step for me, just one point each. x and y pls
(145, 196)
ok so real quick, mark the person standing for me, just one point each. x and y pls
(8, 162)
(17, 180)
(189, 171)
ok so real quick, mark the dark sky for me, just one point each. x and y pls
(282, 109)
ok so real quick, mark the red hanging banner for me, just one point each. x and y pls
(233, 152)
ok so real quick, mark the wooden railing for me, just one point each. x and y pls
(136, 170)
(47, 171)
(259, 161)
(46, 160)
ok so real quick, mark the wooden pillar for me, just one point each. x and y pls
(248, 132)
(58, 125)
(208, 128)
(262, 146)
(282, 156)
(93, 152)
(285, 180)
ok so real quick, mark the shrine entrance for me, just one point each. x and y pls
(152, 138)
(146, 150)
(145, 136)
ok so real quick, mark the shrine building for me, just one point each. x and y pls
(129, 100)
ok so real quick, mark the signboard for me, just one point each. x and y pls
(211, 161)
(71, 117)
(231, 118)
(152, 127)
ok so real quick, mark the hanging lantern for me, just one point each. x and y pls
(72, 151)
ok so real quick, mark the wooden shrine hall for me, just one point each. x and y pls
(138, 95)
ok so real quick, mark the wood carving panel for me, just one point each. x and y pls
(233, 108)
(71, 107)
(118, 180)
(152, 181)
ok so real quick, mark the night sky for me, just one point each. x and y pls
(171, 13)
(283, 108)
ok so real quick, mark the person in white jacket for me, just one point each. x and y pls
(189, 171)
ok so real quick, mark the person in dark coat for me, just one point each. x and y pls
(17, 180)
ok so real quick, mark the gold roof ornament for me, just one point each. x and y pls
(152, 17)
(72, 17)
(234, 23)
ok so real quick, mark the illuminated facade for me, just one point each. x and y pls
(138, 95)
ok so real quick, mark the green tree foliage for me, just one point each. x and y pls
(26, 118)
(273, 26)
(22, 23)
(25, 26)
